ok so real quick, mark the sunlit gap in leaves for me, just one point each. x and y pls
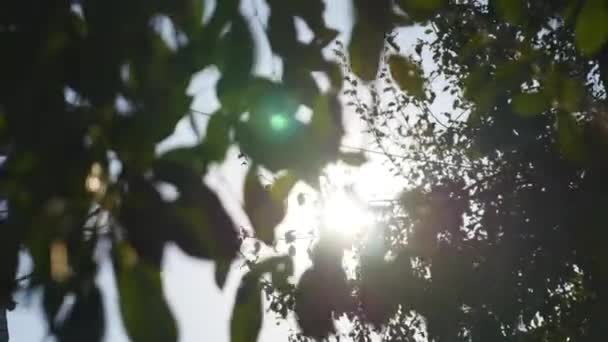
(349, 194)
(341, 209)
(342, 212)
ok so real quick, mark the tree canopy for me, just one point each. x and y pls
(498, 237)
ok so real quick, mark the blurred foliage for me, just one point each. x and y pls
(498, 238)
(90, 88)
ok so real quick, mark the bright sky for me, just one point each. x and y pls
(202, 310)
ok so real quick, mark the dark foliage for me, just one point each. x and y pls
(499, 236)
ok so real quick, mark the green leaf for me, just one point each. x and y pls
(282, 186)
(408, 75)
(591, 32)
(145, 312)
(367, 42)
(531, 104)
(247, 313)
(364, 50)
(512, 11)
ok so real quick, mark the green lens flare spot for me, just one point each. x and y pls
(279, 122)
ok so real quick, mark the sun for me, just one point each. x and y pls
(342, 213)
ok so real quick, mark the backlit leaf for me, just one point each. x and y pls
(282, 185)
(145, 312)
(591, 27)
(408, 75)
(365, 49)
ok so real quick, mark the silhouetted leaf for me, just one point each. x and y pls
(200, 224)
(52, 298)
(367, 38)
(222, 267)
(85, 320)
(264, 211)
(146, 220)
(365, 49)
(377, 291)
(314, 316)
(217, 137)
(236, 53)
(321, 292)
(247, 313)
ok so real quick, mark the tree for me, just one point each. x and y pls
(500, 236)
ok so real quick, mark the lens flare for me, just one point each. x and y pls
(279, 122)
